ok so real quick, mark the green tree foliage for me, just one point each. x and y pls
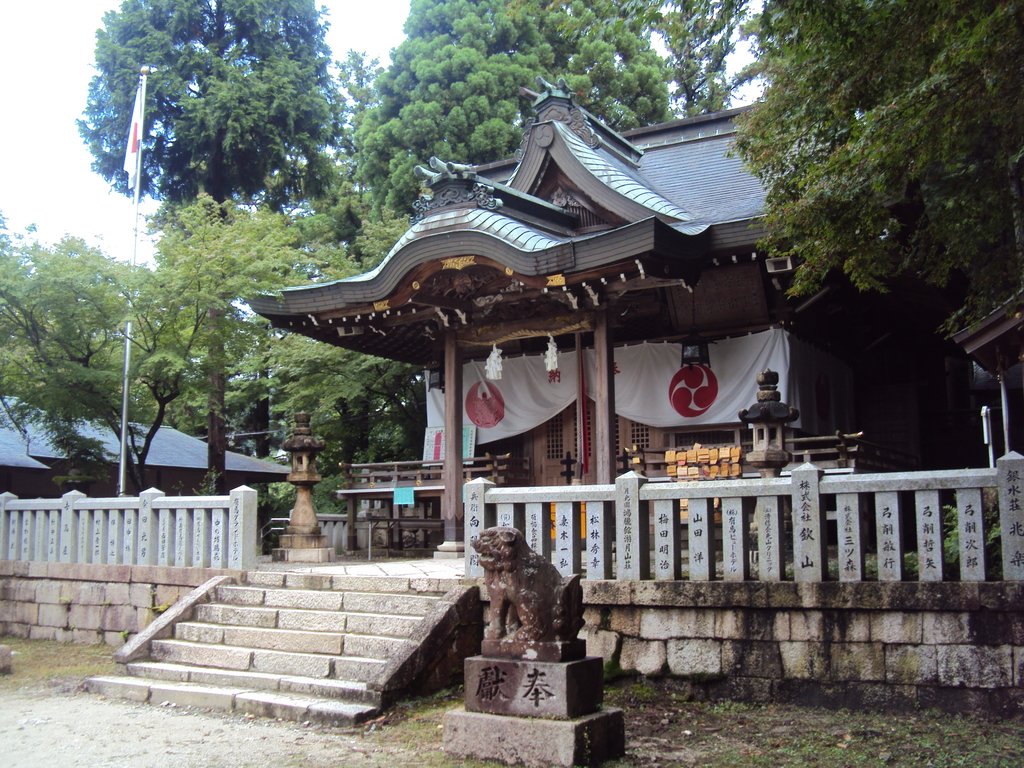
(240, 105)
(62, 314)
(890, 142)
(59, 314)
(210, 257)
(454, 87)
(699, 36)
(365, 408)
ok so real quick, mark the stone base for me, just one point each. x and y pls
(307, 555)
(534, 688)
(553, 650)
(450, 550)
(588, 740)
(291, 540)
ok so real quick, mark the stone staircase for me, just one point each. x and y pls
(332, 649)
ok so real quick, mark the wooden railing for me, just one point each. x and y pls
(500, 470)
(149, 529)
(769, 529)
(850, 451)
(833, 453)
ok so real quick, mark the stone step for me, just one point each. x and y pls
(357, 669)
(263, 703)
(295, 640)
(327, 688)
(381, 624)
(218, 656)
(297, 646)
(317, 600)
(322, 600)
(346, 583)
(308, 620)
(236, 615)
(374, 646)
(392, 604)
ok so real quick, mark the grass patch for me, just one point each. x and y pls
(676, 730)
(47, 664)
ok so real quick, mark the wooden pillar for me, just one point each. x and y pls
(1004, 400)
(451, 499)
(604, 401)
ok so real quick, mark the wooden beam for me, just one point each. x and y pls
(604, 401)
(555, 325)
(451, 502)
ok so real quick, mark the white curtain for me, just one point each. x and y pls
(652, 388)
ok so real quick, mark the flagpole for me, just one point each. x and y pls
(140, 97)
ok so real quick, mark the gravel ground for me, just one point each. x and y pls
(61, 728)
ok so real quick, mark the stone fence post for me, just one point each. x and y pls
(1010, 471)
(477, 516)
(242, 544)
(632, 537)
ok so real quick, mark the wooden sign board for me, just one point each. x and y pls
(433, 443)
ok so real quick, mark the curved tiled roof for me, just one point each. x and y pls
(616, 177)
(704, 176)
(513, 232)
(490, 223)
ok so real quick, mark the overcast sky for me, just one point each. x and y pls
(46, 56)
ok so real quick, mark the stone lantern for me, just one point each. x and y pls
(768, 418)
(302, 541)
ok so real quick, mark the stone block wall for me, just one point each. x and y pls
(956, 646)
(85, 603)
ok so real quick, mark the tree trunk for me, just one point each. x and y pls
(216, 436)
(1014, 167)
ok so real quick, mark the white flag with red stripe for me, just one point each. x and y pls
(133, 149)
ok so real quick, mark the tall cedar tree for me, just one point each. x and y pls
(453, 89)
(890, 142)
(699, 36)
(240, 106)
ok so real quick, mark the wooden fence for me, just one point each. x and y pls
(149, 529)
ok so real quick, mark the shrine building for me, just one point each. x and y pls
(621, 272)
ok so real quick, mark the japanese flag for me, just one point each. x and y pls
(133, 149)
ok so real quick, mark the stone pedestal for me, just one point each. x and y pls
(535, 713)
(561, 690)
(537, 743)
(548, 650)
(450, 550)
(302, 548)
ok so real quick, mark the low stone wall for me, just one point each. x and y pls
(955, 646)
(85, 603)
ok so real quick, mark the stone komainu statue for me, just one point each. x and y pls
(530, 600)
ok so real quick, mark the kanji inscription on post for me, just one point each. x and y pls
(890, 539)
(1010, 472)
